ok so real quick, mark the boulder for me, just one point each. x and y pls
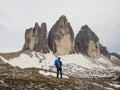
(87, 42)
(61, 37)
(36, 39)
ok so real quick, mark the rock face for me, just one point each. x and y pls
(61, 40)
(36, 39)
(104, 51)
(87, 42)
(115, 54)
(61, 37)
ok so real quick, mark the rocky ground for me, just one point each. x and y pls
(14, 78)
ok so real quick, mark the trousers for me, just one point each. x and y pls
(59, 71)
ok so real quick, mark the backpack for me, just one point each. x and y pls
(58, 63)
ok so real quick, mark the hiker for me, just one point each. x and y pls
(58, 65)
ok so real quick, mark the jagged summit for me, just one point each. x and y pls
(63, 18)
(85, 28)
(61, 40)
(87, 42)
(44, 26)
(36, 39)
(61, 37)
(36, 25)
(89, 33)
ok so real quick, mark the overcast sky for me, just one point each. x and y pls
(102, 16)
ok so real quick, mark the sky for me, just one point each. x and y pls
(102, 16)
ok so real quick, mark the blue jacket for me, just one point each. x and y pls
(58, 63)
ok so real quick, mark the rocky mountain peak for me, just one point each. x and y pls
(104, 51)
(89, 33)
(62, 22)
(44, 26)
(63, 18)
(36, 25)
(87, 42)
(36, 39)
(85, 27)
(61, 37)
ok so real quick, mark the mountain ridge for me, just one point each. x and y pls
(61, 40)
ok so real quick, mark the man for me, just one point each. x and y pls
(58, 65)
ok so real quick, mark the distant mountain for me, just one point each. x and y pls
(61, 40)
(61, 37)
(36, 39)
(87, 42)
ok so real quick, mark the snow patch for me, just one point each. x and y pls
(86, 62)
(73, 64)
(114, 85)
(97, 84)
(113, 57)
(108, 88)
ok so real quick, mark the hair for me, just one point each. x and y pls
(58, 57)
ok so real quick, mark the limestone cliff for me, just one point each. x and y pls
(87, 42)
(104, 51)
(36, 39)
(61, 37)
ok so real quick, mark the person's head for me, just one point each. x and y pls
(58, 58)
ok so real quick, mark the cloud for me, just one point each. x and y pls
(2, 27)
